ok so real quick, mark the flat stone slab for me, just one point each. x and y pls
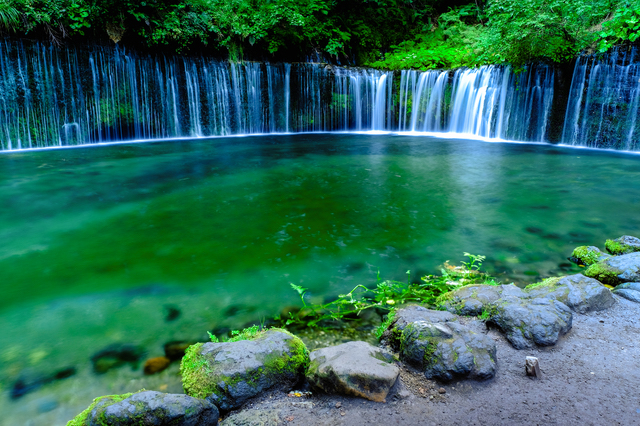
(228, 374)
(529, 322)
(148, 408)
(448, 351)
(581, 294)
(353, 368)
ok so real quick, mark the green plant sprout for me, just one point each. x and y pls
(388, 294)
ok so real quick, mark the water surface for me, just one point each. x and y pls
(94, 242)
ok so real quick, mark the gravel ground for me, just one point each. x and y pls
(590, 377)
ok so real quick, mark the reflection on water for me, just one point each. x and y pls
(207, 224)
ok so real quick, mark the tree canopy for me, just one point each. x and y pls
(421, 34)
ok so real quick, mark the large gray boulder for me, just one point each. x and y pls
(353, 368)
(623, 245)
(581, 294)
(616, 269)
(447, 351)
(228, 374)
(407, 315)
(529, 322)
(471, 300)
(148, 408)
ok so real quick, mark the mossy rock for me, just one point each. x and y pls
(147, 408)
(229, 373)
(408, 314)
(623, 245)
(587, 255)
(616, 269)
(448, 351)
(580, 293)
(527, 322)
(470, 300)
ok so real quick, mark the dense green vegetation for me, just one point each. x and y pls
(386, 295)
(394, 34)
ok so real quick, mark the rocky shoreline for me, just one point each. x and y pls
(463, 341)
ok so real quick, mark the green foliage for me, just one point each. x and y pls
(447, 45)
(485, 315)
(623, 27)
(9, 15)
(388, 294)
(237, 335)
(521, 31)
(385, 324)
(393, 34)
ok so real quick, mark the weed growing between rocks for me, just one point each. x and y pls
(388, 294)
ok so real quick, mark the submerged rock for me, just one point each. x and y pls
(175, 350)
(116, 355)
(30, 382)
(228, 374)
(353, 368)
(147, 408)
(623, 245)
(616, 269)
(447, 351)
(156, 365)
(581, 294)
(528, 322)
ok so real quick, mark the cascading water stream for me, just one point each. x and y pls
(603, 103)
(490, 102)
(55, 97)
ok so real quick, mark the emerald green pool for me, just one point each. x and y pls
(253, 214)
(96, 242)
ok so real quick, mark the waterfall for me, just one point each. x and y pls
(603, 103)
(490, 102)
(81, 95)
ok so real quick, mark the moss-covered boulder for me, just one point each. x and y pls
(147, 408)
(407, 315)
(616, 269)
(470, 300)
(623, 245)
(447, 351)
(529, 322)
(581, 294)
(228, 374)
(588, 255)
(353, 368)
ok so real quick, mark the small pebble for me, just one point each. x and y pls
(338, 404)
(442, 390)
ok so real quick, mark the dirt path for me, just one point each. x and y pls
(591, 377)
